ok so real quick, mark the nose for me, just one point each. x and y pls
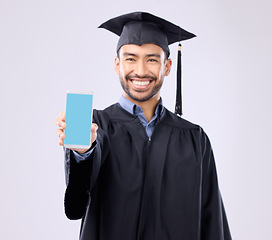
(140, 68)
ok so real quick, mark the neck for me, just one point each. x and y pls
(148, 106)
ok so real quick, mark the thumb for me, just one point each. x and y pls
(94, 127)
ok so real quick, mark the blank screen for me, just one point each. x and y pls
(78, 119)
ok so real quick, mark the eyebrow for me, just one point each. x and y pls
(129, 54)
(135, 55)
(154, 55)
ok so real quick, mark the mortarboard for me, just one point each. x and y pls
(140, 28)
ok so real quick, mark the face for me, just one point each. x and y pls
(142, 70)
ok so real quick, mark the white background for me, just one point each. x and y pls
(48, 47)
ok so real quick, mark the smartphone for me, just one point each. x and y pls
(79, 111)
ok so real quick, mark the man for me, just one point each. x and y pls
(148, 174)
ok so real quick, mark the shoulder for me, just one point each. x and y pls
(173, 120)
(111, 113)
(182, 124)
(196, 131)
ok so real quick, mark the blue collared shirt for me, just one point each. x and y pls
(135, 110)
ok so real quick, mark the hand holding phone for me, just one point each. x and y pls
(76, 129)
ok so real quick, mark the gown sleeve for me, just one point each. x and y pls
(81, 176)
(214, 225)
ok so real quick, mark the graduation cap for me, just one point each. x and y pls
(140, 28)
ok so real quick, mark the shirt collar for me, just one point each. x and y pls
(135, 109)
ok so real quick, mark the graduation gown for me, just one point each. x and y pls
(135, 188)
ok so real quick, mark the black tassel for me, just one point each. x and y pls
(178, 108)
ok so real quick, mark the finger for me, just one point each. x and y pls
(61, 142)
(59, 131)
(60, 134)
(60, 118)
(60, 123)
(57, 120)
(62, 115)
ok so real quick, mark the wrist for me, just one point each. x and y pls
(81, 151)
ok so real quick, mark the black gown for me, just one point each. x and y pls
(135, 188)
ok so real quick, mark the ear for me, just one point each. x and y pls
(168, 65)
(117, 65)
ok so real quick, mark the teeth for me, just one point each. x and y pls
(141, 83)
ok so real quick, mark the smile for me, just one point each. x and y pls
(140, 83)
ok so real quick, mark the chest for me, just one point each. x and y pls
(170, 157)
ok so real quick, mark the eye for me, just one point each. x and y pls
(152, 60)
(130, 59)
